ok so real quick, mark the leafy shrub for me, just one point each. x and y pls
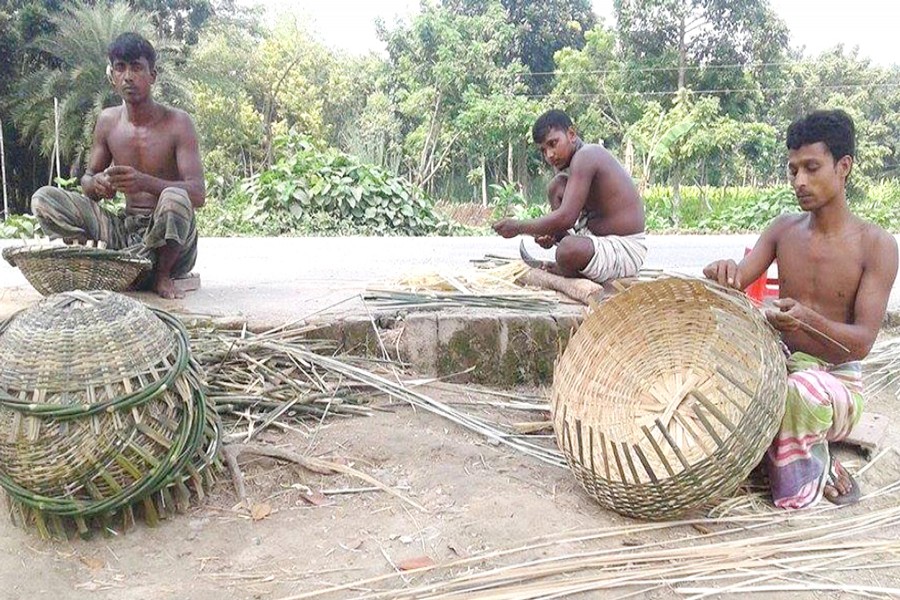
(19, 227)
(717, 210)
(879, 203)
(309, 190)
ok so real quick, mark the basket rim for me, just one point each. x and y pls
(12, 253)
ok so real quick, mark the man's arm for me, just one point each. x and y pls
(581, 174)
(869, 307)
(94, 182)
(187, 159)
(740, 275)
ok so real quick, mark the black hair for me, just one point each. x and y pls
(834, 128)
(131, 46)
(552, 119)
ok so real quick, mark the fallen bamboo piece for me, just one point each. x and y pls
(316, 465)
(578, 289)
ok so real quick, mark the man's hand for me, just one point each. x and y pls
(508, 228)
(724, 272)
(545, 241)
(127, 180)
(102, 186)
(790, 315)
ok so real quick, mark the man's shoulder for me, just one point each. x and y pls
(591, 156)
(877, 237)
(176, 115)
(787, 223)
(109, 115)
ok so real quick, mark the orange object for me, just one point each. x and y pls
(764, 287)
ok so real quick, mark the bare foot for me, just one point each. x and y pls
(840, 489)
(165, 287)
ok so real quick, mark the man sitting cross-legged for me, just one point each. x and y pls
(835, 273)
(147, 151)
(598, 226)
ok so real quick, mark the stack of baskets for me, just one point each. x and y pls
(102, 411)
(667, 397)
(53, 269)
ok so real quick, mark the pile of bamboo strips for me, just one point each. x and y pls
(267, 378)
(815, 550)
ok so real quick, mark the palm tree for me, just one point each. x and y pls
(79, 82)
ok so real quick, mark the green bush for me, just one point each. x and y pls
(879, 203)
(327, 192)
(19, 227)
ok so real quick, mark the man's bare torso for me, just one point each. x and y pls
(613, 205)
(149, 148)
(822, 272)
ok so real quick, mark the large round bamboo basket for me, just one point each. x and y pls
(56, 269)
(101, 409)
(667, 397)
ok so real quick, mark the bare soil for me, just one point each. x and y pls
(478, 497)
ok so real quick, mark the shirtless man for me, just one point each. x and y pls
(835, 273)
(600, 206)
(147, 151)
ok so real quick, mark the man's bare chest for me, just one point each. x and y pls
(822, 274)
(146, 149)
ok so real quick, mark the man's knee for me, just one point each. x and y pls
(43, 199)
(574, 253)
(175, 199)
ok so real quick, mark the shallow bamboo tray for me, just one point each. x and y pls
(667, 397)
(53, 269)
(101, 410)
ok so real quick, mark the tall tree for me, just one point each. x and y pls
(541, 29)
(440, 65)
(720, 45)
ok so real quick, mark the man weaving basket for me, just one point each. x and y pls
(147, 151)
(835, 274)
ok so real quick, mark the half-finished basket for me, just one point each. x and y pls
(102, 410)
(55, 269)
(667, 397)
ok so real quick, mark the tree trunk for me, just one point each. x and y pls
(509, 162)
(676, 195)
(682, 52)
(484, 194)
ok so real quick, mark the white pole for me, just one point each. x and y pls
(56, 127)
(3, 169)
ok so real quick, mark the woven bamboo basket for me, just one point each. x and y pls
(667, 397)
(56, 269)
(101, 410)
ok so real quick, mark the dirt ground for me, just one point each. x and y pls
(477, 497)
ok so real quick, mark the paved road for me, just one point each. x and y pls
(279, 279)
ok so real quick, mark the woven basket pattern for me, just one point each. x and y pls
(100, 405)
(667, 397)
(55, 269)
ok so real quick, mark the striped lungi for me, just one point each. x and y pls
(64, 214)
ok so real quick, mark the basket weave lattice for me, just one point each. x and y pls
(55, 269)
(101, 408)
(667, 397)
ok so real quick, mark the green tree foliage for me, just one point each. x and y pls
(541, 29)
(697, 43)
(440, 67)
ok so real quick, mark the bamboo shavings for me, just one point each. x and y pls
(496, 279)
(492, 285)
(882, 366)
(789, 551)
